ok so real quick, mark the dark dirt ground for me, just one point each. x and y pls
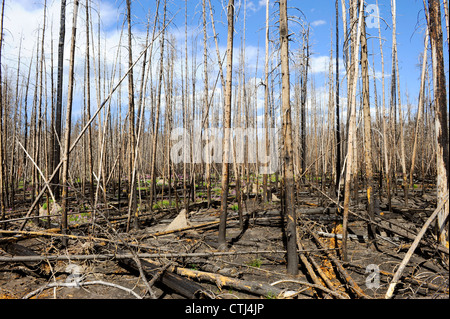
(426, 276)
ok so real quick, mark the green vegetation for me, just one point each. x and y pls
(255, 263)
(163, 204)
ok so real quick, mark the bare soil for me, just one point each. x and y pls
(259, 257)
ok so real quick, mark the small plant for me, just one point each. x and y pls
(271, 295)
(235, 207)
(193, 266)
(255, 263)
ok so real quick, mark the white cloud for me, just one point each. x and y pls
(262, 3)
(321, 64)
(318, 23)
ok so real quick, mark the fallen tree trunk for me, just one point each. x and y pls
(413, 247)
(253, 287)
(185, 287)
(346, 276)
(22, 251)
(399, 232)
(37, 258)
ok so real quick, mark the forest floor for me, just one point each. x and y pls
(185, 263)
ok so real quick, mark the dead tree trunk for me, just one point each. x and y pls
(226, 127)
(266, 100)
(441, 122)
(338, 121)
(131, 116)
(2, 179)
(367, 134)
(65, 173)
(351, 158)
(58, 109)
(88, 107)
(288, 167)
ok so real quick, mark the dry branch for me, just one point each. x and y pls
(79, 284)
(346, 276)
(35, 258)
(413, 247)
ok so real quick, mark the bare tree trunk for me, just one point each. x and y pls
(304, 84)
(226, 128)
(2, 179)
(385, 138)
(205, 100)
(266, 100)
(420, 109)
(59, 91)
(158, 109)
(351, 158)
(288, 168)
(441, 122)
(88, 107)
(65, 173)
(338, 121)
(131, 115)
(367, 135)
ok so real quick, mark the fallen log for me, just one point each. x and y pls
(22, 251)
(409, 279)
(411, 250)
(356, 237)
(37, 258)
(346, 276)
(185, 287)
(253, 287)
(399, 232)
(307, 264)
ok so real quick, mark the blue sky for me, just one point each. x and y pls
(23, 18)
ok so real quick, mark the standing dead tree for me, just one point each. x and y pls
(58, 108)
(367, 133)
(65, 171)
(226, 127)
(132, 210)
(351, 157)
(288, 153)
(2, 178)
(441, 121)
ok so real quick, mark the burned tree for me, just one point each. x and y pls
(288, 167)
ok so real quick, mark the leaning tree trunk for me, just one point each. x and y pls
(288, 167)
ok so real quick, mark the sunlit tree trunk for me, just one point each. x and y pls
(441, 122)
(65, 172)
(288, 167)
(226, 127)
(351, 157)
